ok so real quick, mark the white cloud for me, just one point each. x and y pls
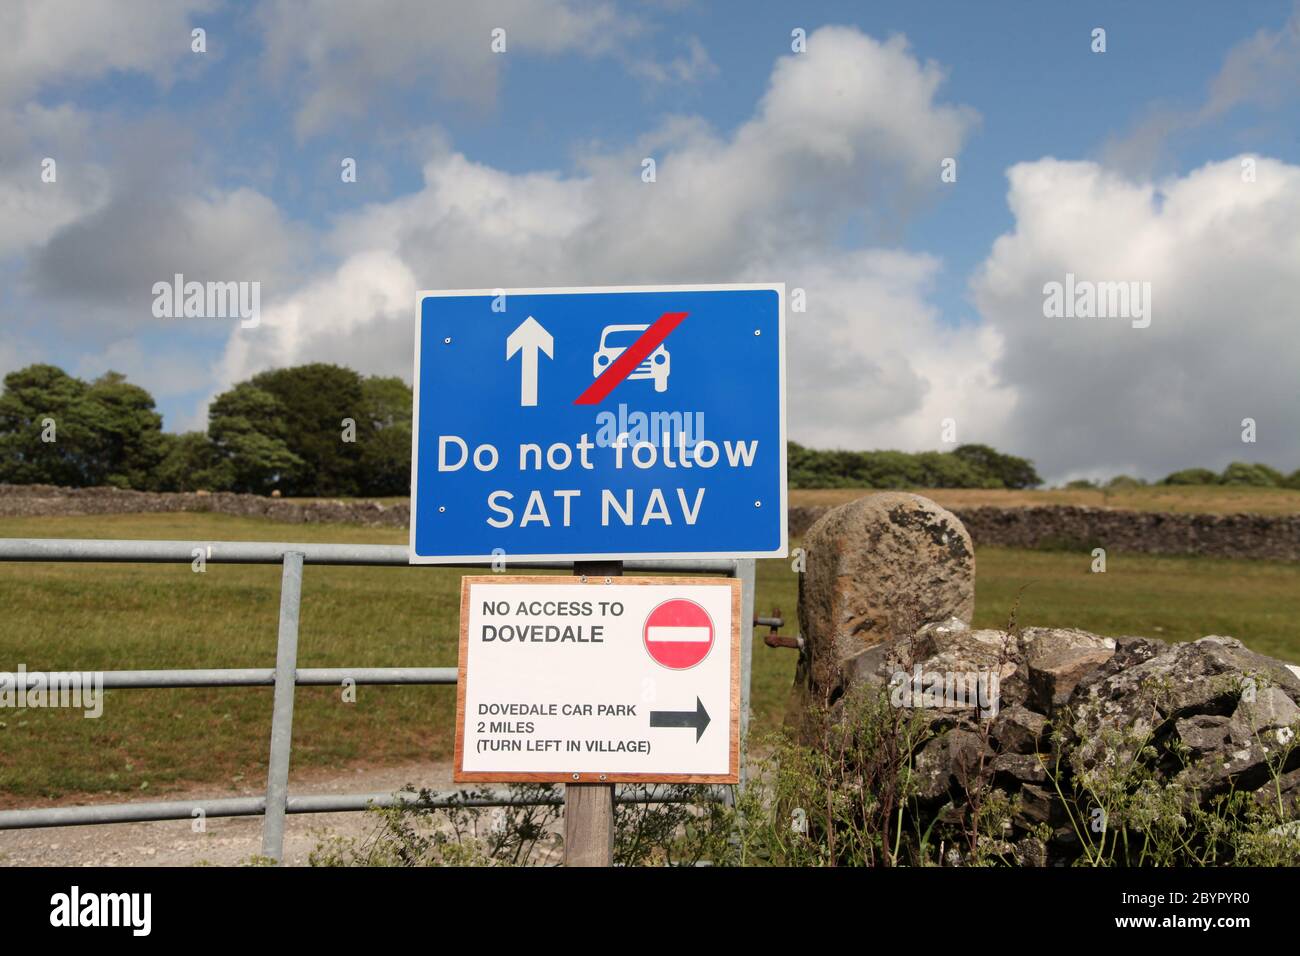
(143, 235)
(1223, 260)
(695, 64)
(872, 365)
(52, 41)
(1262, 70)
(32, 209)
(766, 203)
(834, 123)
(346, 55)
(360, 315)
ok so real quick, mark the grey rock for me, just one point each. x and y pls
(1129, 652)
(1025, 768)
(937, 635)
(1058, 658)
(1036, 806)
(887, 603)
(1271, 710)
(1204, 676)
(1205, 734)
(966, 674)
(947, 647)
(1229, 655)
(950, 758)
(1019, 730)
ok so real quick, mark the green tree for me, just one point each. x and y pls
(970, 466)
(386, 447)
(128, 443)
(801, 466)
(1275, 477)
(891, 469)
(1191, 476)
(56, 429)
(946, 470)
(315, 400)
(39, 403)
(1245, 473)
(189, 462)
(247, 428)
(310, 430)
(1011, 471)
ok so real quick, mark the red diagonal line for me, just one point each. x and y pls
(632, 356)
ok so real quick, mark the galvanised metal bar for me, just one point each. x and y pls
(333, 676)
(286, 662)
(183, 552)
(96, 814)
(265, 677)
(131, 812)
(273, 552)
(217, 677)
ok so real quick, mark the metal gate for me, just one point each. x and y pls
(286, 675)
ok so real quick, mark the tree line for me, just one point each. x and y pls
(1240, 473)
(311, 430)
(966, 466)
(325, 430)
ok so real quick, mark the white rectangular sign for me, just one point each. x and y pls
(573, 681)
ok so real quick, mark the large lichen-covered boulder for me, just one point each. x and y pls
(878, 568)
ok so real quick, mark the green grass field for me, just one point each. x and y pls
(105, 617)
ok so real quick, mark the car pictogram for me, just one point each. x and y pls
(614, 341)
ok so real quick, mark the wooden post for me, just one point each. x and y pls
(589, 807)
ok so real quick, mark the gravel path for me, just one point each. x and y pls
(226, 841)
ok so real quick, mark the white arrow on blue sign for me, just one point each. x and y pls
(599, 423)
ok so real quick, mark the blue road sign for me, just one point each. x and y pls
(602, 423)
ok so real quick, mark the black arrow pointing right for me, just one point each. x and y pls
(697, 718)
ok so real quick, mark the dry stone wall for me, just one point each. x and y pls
(41, 500)
(1275, 537)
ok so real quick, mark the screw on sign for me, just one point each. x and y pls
(678, 634)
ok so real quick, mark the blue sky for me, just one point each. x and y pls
(225, 165)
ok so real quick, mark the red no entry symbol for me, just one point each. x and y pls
(678, 634)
